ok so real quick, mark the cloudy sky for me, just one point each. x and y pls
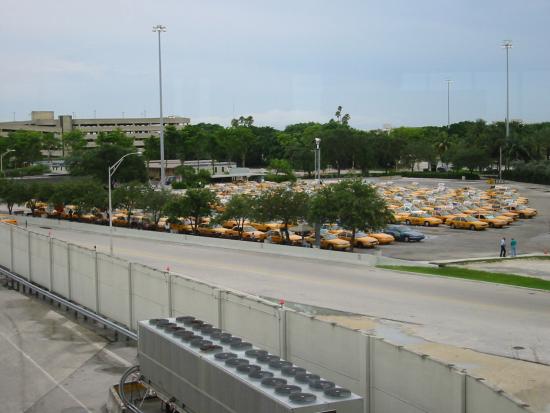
(281, 61)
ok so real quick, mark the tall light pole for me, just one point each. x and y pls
(159, 29)
(506, 44)
(318, 159)
(2, 159)
(449, 81)
(112, 170)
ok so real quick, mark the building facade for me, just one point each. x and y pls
(138, 128)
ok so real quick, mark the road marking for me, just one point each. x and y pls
(48, 375)
(98, 347)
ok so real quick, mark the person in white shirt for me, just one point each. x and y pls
(503, 247)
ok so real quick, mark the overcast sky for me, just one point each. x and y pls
(281, 61)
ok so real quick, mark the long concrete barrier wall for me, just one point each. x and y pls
(265, 248)
(392, 378)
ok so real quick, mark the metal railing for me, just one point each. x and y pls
(69, 304)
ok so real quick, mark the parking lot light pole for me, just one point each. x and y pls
(2, 159)
(159, 28)
(449, 81)
(318, 159)
(506, 44)
(112, 169)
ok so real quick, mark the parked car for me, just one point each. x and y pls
(266, 226)
(362, 240)
(330, 242)
(470, 223)
(401, 233)
(8, 219)
(249, 233)
(422, 219)
(211, 230)
(383, 239)
(493, 221)
(523, 211)
(276, 236)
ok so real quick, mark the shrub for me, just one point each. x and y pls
(536, 172)
(27, 171)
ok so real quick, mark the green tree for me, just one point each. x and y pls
(280, 170)
(196, 203)
(282, 204)
(96, 162)
(50, 143)
(74, 141)
(155, 202)
(116, 137)
(84, 194)
(190, 178)
(128, 196)
(12, 193)
(27, 146)
(239, 208)
(359, 207)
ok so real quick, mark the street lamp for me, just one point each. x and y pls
(318, 159)
(2, 159)
(159, 29)
(506, 44)
(111, 171)
(449, 81)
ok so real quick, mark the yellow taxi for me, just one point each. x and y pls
(8, 219)
(277, 236)
(266, 226)
(492, 220)
(522, 211)
(362, 240)
(383, 239)
(211, 230)
(183, 226)
(470, 223)
(417, 218)
(248, 233)
(330, 242)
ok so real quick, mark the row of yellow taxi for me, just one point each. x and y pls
(462, 208)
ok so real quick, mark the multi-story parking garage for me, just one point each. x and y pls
(138, 128)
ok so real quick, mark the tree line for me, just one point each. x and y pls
(353, 204)
(471, 145)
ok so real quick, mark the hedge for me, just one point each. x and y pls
(536, 172)
(26, 171)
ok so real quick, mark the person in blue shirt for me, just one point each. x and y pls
(513, 247)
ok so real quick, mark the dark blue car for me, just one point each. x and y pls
(402, 233)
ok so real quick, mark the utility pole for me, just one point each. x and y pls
(506, 44)
(159, 29)
(449, 81)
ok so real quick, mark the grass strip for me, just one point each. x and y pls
(468, 274)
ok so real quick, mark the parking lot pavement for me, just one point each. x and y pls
(533, 235)
(52, 363)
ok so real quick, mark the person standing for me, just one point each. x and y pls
(503, 247)
(513, 247)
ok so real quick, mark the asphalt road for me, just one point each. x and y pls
(484, 317)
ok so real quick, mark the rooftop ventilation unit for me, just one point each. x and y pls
(207, 370)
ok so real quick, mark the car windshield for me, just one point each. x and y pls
(361, 234)
(330, 236)
(249, 229)
(490, 217)
(470, 219)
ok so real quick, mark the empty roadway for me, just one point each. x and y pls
(486, 317)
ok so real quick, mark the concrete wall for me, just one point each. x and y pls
(391, 378)
(403, 381)
(264, 248)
